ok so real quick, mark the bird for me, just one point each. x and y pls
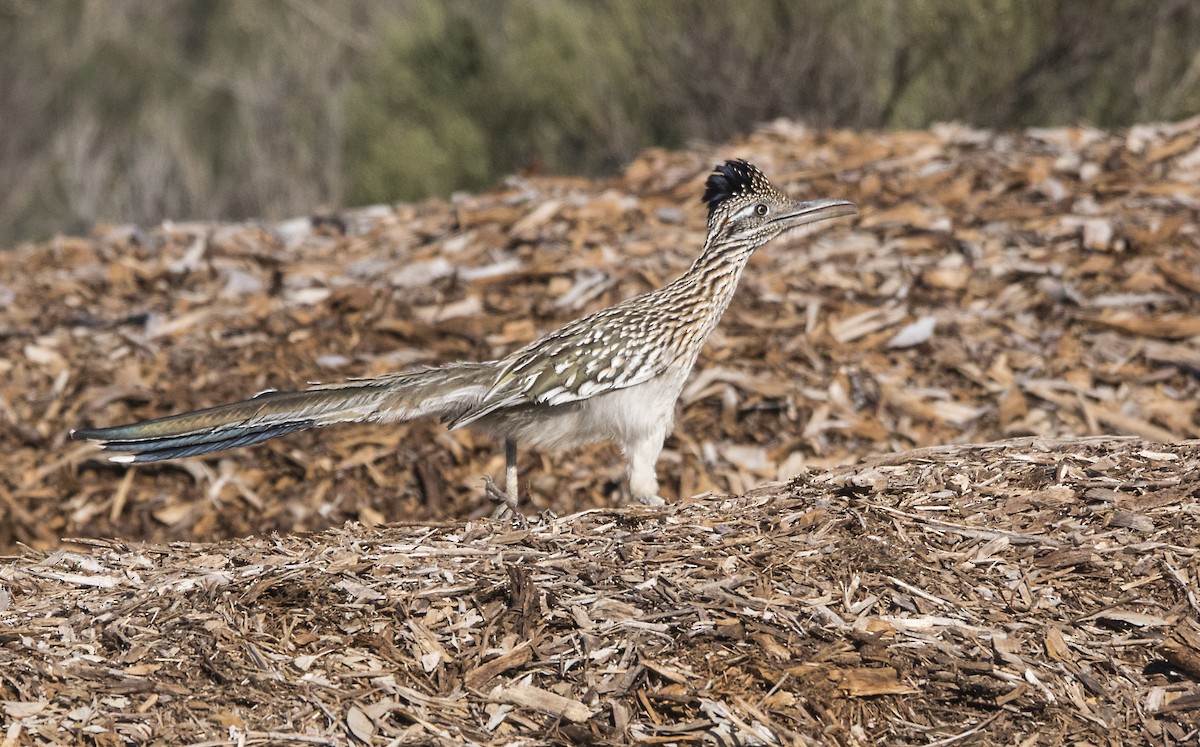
(612, 375)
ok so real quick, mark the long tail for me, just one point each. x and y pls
(447, 392)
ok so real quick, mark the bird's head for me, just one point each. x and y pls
(745, 209)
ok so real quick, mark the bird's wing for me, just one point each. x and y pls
(611, 349)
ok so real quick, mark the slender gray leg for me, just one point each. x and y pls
(510, 471)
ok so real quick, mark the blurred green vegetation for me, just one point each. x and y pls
(125, 110)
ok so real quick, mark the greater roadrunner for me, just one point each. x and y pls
(611, 375)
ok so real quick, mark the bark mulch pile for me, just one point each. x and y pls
(1042, 284)
(995, 285)
(1029, 592)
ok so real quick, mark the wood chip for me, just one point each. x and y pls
(545, 701)
(360, 726)
(914, 334)
(484, 673)
(1181, 647)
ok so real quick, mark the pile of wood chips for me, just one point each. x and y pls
(1027, 593)
(1046, 283)
(1041, 284)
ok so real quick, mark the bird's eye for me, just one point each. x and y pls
(760, 209)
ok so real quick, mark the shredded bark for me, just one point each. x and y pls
(995, 285)
(839, 565)
(982, 594)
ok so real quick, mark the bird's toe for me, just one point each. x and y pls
(651, 500)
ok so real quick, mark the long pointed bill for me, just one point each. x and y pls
(803, 213)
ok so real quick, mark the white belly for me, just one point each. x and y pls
(624, 415)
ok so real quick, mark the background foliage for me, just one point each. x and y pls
(125, 110)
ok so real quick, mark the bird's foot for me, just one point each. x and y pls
(650, 500)
(504, 502)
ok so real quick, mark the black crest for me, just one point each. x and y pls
(730, 179)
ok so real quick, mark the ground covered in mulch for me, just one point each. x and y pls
(994, 285)
(1041, 284)
(1031, 592)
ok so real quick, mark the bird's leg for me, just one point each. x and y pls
(506, 500)
(510, 472)
(643, 456)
